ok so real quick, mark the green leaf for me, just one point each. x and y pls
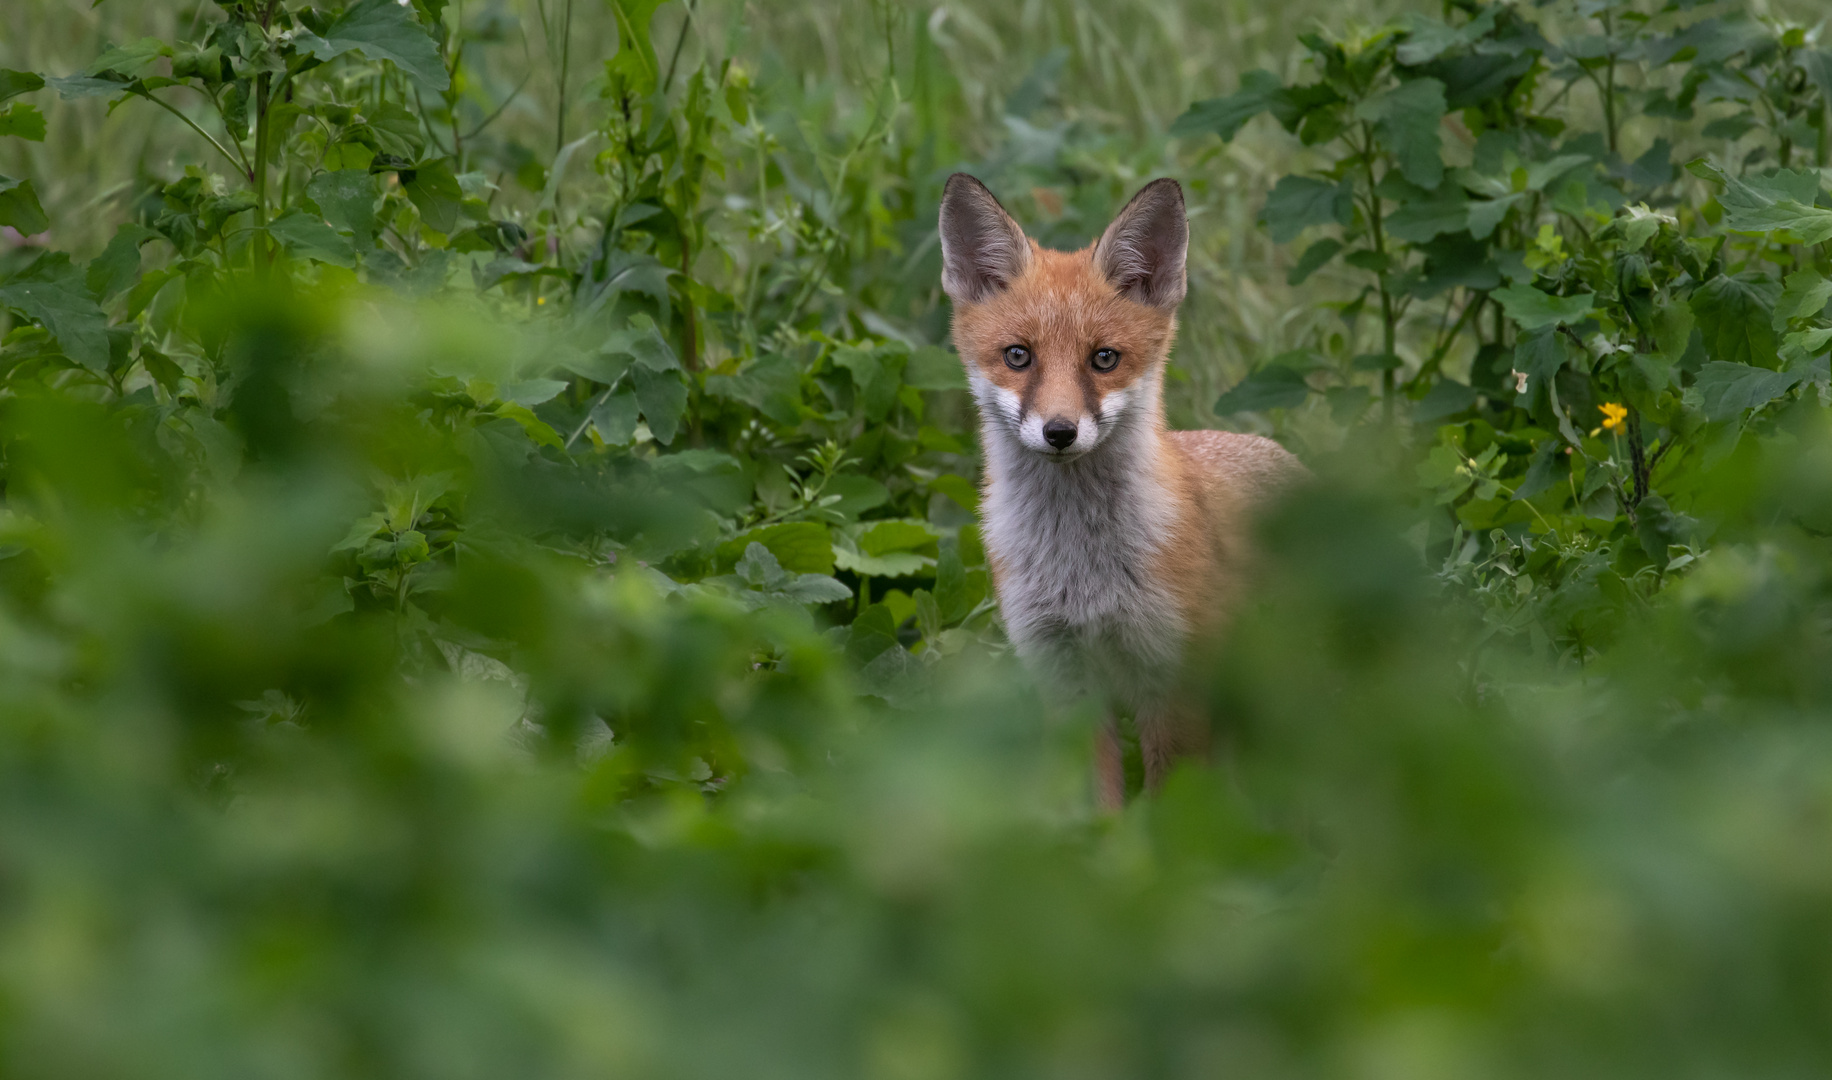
(876, 373)
(1539, 355)
(538, 430)
(1805, 297)
(1406, 119)
(1728, 389)
(771, 384)
(1542, 473)
(884, 537)
(14, 83)
(1446, 211)
(635, 60)
(23, 120)
(382, 30)
(802, 547)
(1782, 200)
(346, 199)
(434, 191)
(72, 87)
(663, 398)
(130, 60)
(20, 208)
(306, 234)
(1532, 309)
(1225, 115)
(1313, 259)
(615, 418)
(117, 268)
(53, 292)
(1274, 387)
(396, 131)
(1298, 202)
(644, 344)
(932, 367)
(1735, 315)
(873, 633)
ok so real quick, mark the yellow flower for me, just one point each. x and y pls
(1615, 417)
(540, 300)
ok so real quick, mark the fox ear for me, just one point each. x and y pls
(982, 248)
(1142, 253)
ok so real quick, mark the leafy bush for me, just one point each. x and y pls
(477, 609)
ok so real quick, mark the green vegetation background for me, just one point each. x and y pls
(503, 598)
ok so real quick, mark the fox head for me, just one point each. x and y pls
(1063, 349)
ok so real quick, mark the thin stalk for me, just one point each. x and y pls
(1387, 321)
(240, 166)
(261, 135)
(559, 141)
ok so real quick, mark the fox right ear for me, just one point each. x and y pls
(982, 249)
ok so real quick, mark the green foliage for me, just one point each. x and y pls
(487, 588)
(1534, 281)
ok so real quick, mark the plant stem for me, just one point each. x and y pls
(261, 92)
(1387, 320)
(240, 166)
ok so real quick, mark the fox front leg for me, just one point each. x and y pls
(1109, 766)
(1167, 734)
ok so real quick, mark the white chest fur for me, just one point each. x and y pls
(1077, 544)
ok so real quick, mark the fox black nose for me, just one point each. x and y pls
(1059, 433)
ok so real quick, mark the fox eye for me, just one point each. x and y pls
(1105, 359)
(1017, 357)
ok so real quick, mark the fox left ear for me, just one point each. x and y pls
(1143, 252)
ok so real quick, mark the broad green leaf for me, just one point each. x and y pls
(117, 268)
(1406, 119)
(396, 131)
(1532, 309)
(814, 589)
(130, 60)
(52, 291)
(306, 234)
(434, 191)
(347, 200)
(537, 429)
(532, 392)
(23, 120)
(72, 87)
(958, 488)
(615, 418)
(1805, 297)
(644, 344)
(1420, 220)
(1541, 473)
(884, 537)
(663, 398)
(1539, 355)
(876, 373)
(1728, 389)
(14, 83)
(932, 367)
(1762, 204)
(771, 384)
(847, 556)
(1314, 258)
(1735, 315)
(20, 208)
(1225, 115)
(1273, 387)
(1298, 202)
(800, 547)
(872, 634)
(382, 30)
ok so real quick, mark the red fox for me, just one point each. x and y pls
(1114, 542)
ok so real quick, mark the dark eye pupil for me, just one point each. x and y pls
(1017, 356)
(1106, 358)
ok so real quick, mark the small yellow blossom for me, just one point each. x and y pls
(1615, 417)
(540, 300)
